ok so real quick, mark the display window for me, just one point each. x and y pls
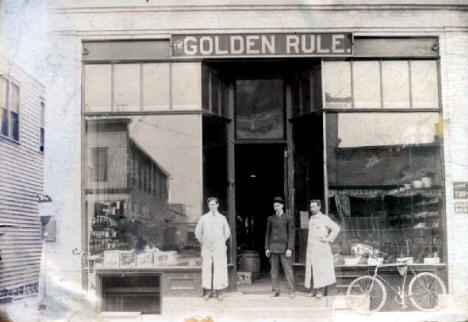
(142, 194)
(385, 185)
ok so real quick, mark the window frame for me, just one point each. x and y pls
(12, 125)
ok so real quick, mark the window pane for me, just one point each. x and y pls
(126, 216)
(215, 93)
(127, 87)
(14, 98)
(424, 84)
(5, 127)
(156, 87)
(97, 88)
(385, 180)
(14, 122)
(42, 139)
(42, 114)
(206, 87)
(259, 109)
(100, 164)
(337, 83)
(186, 86)
(395, 78)
(366, 84)
(3, 91)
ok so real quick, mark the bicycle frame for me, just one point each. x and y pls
(400, 291)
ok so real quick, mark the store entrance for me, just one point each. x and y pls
(260, 176)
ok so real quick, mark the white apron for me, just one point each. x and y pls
(212, 231)
(319, 258)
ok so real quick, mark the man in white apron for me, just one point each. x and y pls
(212, 232)
(319, 258)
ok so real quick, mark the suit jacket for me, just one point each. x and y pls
(279, 234)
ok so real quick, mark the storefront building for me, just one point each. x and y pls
(361, 106)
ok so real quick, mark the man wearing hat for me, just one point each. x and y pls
(279, 243)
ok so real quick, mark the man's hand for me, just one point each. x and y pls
(267, 253)
(288, 253)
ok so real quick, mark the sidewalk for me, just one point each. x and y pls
(234, 307)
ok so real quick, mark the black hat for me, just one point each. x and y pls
(278, 199)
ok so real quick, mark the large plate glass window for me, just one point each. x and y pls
(142, 191)
(385, 184)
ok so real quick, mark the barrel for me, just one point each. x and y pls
(249, 261)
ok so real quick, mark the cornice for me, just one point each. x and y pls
(261, 7)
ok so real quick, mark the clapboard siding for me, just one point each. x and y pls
(21, 180)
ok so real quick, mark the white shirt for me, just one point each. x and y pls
(212, 231)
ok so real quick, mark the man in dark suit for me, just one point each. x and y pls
(279, 243)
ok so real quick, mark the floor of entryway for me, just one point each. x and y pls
(261, 285)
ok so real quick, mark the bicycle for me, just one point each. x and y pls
(367, 294)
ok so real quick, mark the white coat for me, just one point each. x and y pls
(319, 258)
(212, 232)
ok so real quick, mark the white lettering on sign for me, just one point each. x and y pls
(337, 41)
(308, 48)
(268, 43)
(206, 45)
(239, 49)
(280, 44)
(292, 42)
(190, 46)
(251, 43)
(218, 50)
(321, 50)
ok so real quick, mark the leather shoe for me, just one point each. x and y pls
(275, 294)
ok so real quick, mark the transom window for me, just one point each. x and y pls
(381, 84)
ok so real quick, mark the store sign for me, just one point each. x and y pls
(460, 190)
(461, 207)
(262, 45)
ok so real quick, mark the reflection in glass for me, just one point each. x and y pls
(366, 84)
(395, 79)
(337, 83)
(384, 175)
(142, 191)
(259, 109)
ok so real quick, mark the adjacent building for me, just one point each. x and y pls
(22, 108)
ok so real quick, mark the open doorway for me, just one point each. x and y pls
(259, 178)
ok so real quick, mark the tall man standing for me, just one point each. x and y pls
(279, 243)
(319, 257)
(212, 232)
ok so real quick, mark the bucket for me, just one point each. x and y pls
(249, 261)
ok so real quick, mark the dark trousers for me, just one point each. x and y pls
(287, 268)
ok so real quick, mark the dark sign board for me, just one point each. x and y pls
(262, 45)
(460, 190)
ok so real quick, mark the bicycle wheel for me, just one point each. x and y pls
(426, 291)
(366, 294)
